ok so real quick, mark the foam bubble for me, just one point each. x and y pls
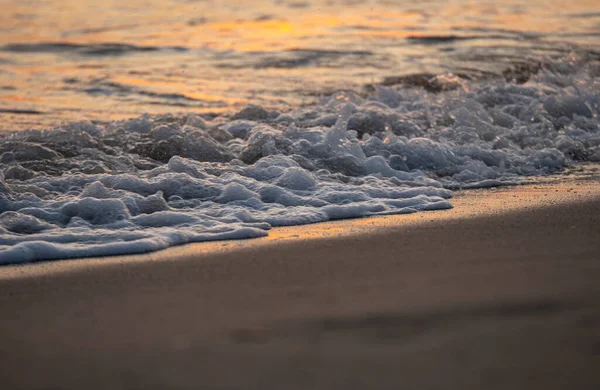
(152, 182)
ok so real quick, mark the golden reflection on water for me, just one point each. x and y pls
(240, 28)
(181, 86)
(249, 25)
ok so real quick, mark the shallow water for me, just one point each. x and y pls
(277, 114)
(68, 60)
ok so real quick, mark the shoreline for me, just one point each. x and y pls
(500, 292)
(570, 186)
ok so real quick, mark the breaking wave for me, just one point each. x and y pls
(148, 183)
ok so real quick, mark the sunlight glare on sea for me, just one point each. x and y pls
(68, 60)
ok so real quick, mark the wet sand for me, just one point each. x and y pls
(500, 292)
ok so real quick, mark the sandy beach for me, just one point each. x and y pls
(240, 194)
(500, 292)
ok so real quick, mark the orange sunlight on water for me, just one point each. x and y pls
(234, 52)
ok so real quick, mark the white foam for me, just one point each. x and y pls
(149, 183)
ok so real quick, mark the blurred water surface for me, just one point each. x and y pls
(68, 60)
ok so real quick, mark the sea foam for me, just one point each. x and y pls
(148, 183)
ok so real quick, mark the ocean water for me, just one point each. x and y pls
(129, 127)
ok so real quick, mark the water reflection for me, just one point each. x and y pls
(74, 60)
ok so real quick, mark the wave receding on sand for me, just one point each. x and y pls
(148, 183)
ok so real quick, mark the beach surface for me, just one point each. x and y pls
(500, 292)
